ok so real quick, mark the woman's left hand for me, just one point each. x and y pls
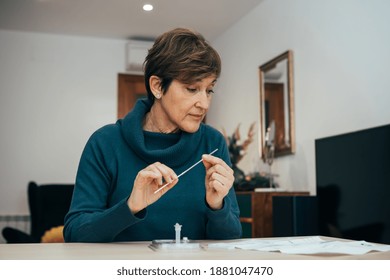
(219, 180)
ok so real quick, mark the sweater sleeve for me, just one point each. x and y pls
(225, 223)
(89, 218)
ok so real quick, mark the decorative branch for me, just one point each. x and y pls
(238, 148)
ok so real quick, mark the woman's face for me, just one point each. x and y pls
(184, 106)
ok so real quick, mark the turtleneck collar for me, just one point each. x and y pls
(174, 155)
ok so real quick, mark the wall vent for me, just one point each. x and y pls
(136, 51)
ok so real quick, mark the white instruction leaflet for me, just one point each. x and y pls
(307, 245)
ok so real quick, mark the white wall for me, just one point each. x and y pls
(341, 61)
(54, 92)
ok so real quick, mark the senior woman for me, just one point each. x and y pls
(118, 194)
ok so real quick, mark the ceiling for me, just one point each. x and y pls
(121, 19)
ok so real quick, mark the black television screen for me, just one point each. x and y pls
(353, 184)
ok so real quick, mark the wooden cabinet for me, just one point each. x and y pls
(256, 211)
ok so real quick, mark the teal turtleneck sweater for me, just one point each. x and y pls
(111, 159)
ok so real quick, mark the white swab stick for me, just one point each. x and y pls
(184, 172)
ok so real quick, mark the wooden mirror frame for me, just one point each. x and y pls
(276, 108)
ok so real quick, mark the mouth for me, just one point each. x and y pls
(197, 116)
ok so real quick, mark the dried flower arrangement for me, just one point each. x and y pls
(238, 149)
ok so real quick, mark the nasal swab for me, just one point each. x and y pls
(185, 171)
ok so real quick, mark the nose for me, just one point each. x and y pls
(203, 101)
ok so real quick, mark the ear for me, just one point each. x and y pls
(155, 86)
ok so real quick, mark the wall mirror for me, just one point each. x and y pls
(277, 105)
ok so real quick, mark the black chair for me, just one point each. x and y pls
(48, 206)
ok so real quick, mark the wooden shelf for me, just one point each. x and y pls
(256, 211)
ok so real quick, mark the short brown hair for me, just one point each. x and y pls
(180, 54)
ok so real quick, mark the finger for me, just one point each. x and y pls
(165, 187)
(219, 187)
(221, 170)
(148, 175)
(171, 185)
(153, 169)
(167, 173)
(163, 172)
(219, 178)
(225, 180)
(209, 160)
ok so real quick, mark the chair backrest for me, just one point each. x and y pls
(48, 205)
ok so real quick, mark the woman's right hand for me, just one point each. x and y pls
(149, 180)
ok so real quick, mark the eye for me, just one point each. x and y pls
(210, 91)
(192, 90)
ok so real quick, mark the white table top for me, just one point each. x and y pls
(142, 251)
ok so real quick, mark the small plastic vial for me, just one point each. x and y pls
(177, 232)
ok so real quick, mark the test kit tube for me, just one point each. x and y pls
(177, 232)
